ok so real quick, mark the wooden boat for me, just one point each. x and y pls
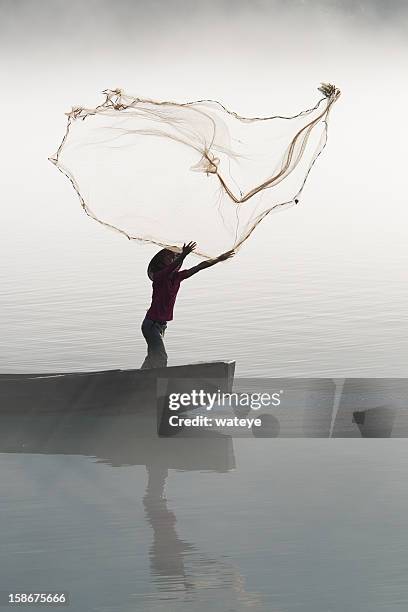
(353, 407)
(108, 389)
(111, 416)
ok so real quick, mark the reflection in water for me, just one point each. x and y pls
(169, 554)
(294, 528)
(52, 416)
(167, 550)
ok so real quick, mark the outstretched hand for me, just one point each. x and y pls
(226, 255)
(188, 248)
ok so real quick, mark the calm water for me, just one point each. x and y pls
(266, 525)
(75, 300)
(277, 532)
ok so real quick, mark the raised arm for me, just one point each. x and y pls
(177, 261)
(206, 264)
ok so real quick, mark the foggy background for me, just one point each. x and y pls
(318, 290)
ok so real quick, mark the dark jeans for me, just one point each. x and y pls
(153, 332)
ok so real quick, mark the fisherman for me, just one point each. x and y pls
(166, 276)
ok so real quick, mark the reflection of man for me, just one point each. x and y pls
(167, 550)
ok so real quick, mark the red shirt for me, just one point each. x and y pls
(166, 283)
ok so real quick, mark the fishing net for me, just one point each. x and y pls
(167, 173)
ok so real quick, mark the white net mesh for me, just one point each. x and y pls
(167, 173)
